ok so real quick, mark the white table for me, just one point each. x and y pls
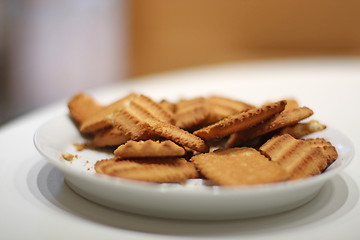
(36, 203)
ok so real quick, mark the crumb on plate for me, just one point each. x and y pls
(67, 156)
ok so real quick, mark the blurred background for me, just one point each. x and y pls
(52, 49)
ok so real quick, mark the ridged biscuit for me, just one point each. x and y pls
(191, 113)
(132, 119)
(240, 121)
(104, 118)
(131, 123)
(291, 104)
(109, 137)
(238, 166)
(221, 107)
(178, 135)
(283, 119)
(158, 170)
(297, 157)
(82, 107)
(149, 148)
(326, 147)
(152, 108)
(302, 129)
(168, 106)
(101, 165)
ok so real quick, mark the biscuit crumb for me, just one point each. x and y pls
(80, 146)
(67, 156)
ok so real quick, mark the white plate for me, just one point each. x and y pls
(194, 200)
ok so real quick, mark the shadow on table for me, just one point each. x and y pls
(334, 200)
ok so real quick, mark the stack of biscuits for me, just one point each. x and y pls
(226, 141)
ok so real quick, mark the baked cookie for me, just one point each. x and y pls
(131, 122)
(291, 104)
(132, 119)
(177, 135)
(168, 106)
(283, 119)
(238, 166)
(158, 170)
(221, 107)
(326, 147)
(151, 108)
(191, 113)
(104, 118)
(109, 137)
(299, 158)
(240, 121)
(302, 129)
(82, 107)
(149, 148)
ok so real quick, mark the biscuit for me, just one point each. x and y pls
(149, 148)
(104, 118)
(238, 166)
(110, 137)
(131, 123)
(147, 106)
(158, 170)
(82, 107)
(102, 164)
(297, 157)
(221, 107)
(283, 119)
(191, 113)
(132, 119)
(326, 147)
(291, 104)
(168, 106)
(240, 121)
(177, 135)
(302, 129)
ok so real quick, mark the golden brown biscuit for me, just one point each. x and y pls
(149, 148)
(177, 135)
(103, 164)
(326, 147)
(131, 123)
(132, 119)
(151, 108)
(283, 119)
(110, 137)
(291, 104)
(221, 107)
(191, 113)
(302, 129)
(297, 157)
(239, 166)
(240, 121)
(82, 107)
(151, 170)
(168, 106)
(104, 118)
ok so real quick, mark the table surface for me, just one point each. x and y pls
(37, 204)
